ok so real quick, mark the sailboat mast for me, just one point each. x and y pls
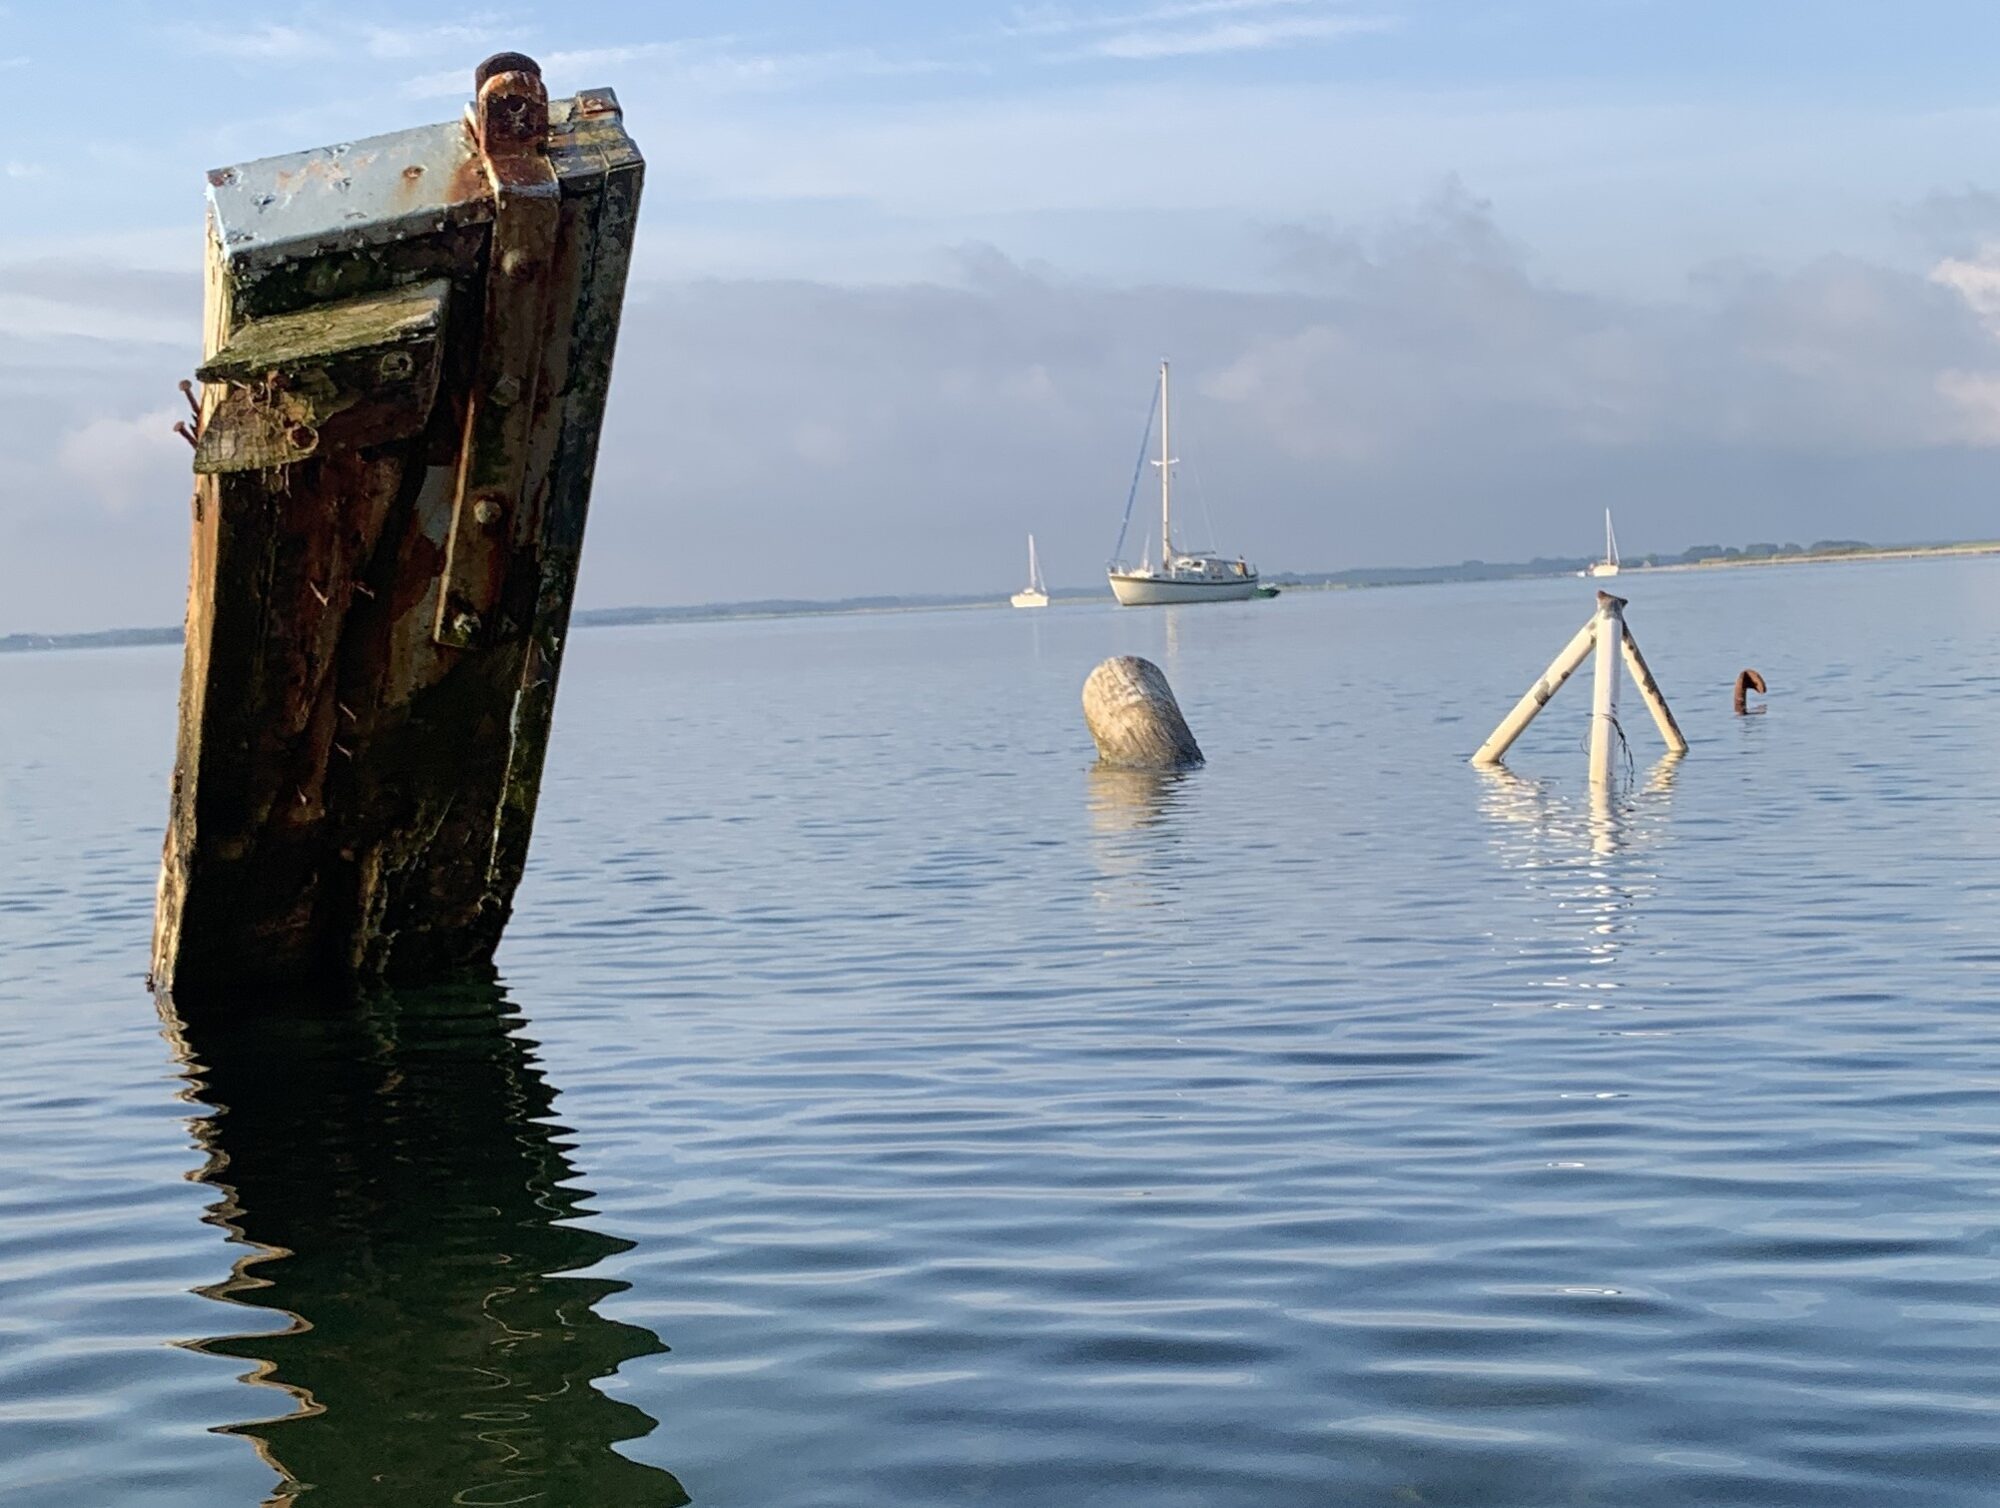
(1034, 571)
(1166, 471)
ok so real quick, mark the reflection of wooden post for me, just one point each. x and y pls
(408, 347)
(1604, 731)
(422, 1350)
(1606, 632)
(1537, 697)
(1649, 691)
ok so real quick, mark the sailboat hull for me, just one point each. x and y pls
(1030, 598)
(1160, 591)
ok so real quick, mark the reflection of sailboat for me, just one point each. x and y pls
(1036, 592)
(1608, 566)
(412, 1229)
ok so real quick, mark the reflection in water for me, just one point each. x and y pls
(1549, 826)
(1130, 801)
(1580, 847)
(394, 1170)
(1135, 821)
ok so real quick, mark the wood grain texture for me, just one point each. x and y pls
(1134, 719)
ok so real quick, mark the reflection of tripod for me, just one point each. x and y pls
(1607, 634)
(412, 1226)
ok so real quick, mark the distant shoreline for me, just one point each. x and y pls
(1873, 552)
(1359, 579)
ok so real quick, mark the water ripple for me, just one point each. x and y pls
(1331, 1124)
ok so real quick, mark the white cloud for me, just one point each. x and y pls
(716, 63)
(16, 169)
(126, 462)
(27, 315)
(390, 42)
(708, 65)
(1056, 21)
(1975, 279)
(1974, 398)
(1233, 36)
(1415, 380)
(267, 43)
(274, 42)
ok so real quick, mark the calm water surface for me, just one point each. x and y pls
(881, 1108)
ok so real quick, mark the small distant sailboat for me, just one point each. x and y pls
(1608, 566)
(1036, 592)
(1180, 576)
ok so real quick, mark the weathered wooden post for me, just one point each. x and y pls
(1134, 719)
(408, 346)
(1605, 733)
(1515, 723)
(1650, 694)
(1607, 633)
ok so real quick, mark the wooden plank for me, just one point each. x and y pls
(353, 799)
(353, 373)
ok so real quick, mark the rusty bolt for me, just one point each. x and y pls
(516, 263)
(487, 511)
(397, 364)
(414, 171)
(506, 390)
(465, 625)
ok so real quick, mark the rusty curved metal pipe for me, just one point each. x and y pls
(1746, 683)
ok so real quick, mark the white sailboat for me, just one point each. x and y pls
(1036, 592)
(1608, 566)
(1180, 576)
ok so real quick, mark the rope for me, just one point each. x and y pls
(1191, 445)
(1201, 496)
(1138, 471)
(1624, 747)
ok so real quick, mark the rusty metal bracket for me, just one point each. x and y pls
(352, 373)
(509, 123)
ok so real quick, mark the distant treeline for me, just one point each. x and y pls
(106, 638)
(1547, 565)
(767, 607)
(777, 607)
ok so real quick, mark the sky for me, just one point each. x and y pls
(1441, 279)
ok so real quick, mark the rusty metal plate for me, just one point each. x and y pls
(371, 192)
(355, 194)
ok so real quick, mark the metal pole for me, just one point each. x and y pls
(1642, 677)
(1610, 625)
(1166, 466)
(1537, 696)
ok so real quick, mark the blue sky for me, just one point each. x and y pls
(1443, 277)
